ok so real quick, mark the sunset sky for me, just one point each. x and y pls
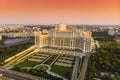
(59, 11)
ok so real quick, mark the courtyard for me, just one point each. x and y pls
(57, 65)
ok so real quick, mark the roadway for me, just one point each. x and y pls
(75, 70)
(24, 55)
(84, 68)
(15, 77)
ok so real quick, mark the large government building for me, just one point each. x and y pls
(63, 38)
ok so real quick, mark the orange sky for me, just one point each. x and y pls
(60, 11)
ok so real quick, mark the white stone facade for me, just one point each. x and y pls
(66, 39)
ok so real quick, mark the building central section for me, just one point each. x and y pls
(63, 38)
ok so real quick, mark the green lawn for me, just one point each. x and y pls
(28, 64)
(50, 60)
(63, 71)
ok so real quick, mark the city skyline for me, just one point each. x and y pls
(60, 11)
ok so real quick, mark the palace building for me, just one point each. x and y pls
(63, 38)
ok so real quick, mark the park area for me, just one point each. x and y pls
(28, 63)
(61, 65)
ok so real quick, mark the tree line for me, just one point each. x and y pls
(106, 59)
(9, 51)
